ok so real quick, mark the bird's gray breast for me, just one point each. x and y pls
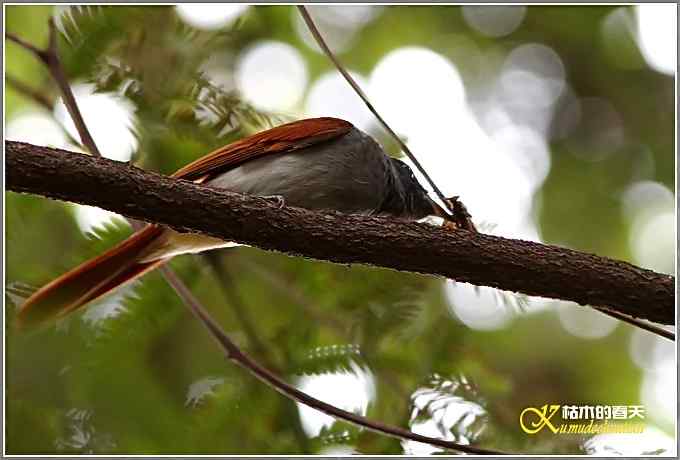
(347, 174)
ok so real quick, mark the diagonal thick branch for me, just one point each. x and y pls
(514, 265)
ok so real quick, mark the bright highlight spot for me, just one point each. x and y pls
(494, 21)
(90, 218)
(415, 87)
(659, 392)
(656, 357)
(272, 76)
(352, 391)
(533, 76)
(37, 128)
(650, 208)
(331, 95)
(477, 307)
(648, 351)
(109, 118)
(618, 37)
(210, 15)
(658, 35)
(339, 24)
(433, 116)
(653, 242)
(646, 197)
(584, 322)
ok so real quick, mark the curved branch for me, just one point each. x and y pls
(234, 354)
(514, 265)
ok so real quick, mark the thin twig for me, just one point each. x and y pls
(40, 54)
(647, 326)
(322, 43)
(234, 354)
(232, 351)
(50, 58)
(31, 93)
(57, 71)
(40, 99)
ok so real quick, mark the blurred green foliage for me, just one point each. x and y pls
(121, 385)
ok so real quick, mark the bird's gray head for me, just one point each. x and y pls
(405, 196)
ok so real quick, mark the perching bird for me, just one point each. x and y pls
(318, 163)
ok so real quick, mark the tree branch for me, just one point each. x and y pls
(235, 355)
(31, 93)
(50, 58)
(522, 266)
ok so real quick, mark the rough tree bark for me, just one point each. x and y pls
(513, 265)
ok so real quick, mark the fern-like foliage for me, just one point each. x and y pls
(155, 60)
(452, 405)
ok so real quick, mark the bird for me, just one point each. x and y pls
(317, 163)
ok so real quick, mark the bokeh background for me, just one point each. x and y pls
(553, 123)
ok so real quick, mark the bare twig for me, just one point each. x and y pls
(40, 54)
(31, 93)
(645, 325)
(454, 205)
(51, 59)
(234, 354)
(40, 99)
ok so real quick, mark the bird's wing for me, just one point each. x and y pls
(282, 139)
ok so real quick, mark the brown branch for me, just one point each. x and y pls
(50, 58)
(642, 324)
(234, 354)
(31, 93)
(40, 54)
(514, 265)
(454, 205)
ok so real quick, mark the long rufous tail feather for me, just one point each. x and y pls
(90, 280)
